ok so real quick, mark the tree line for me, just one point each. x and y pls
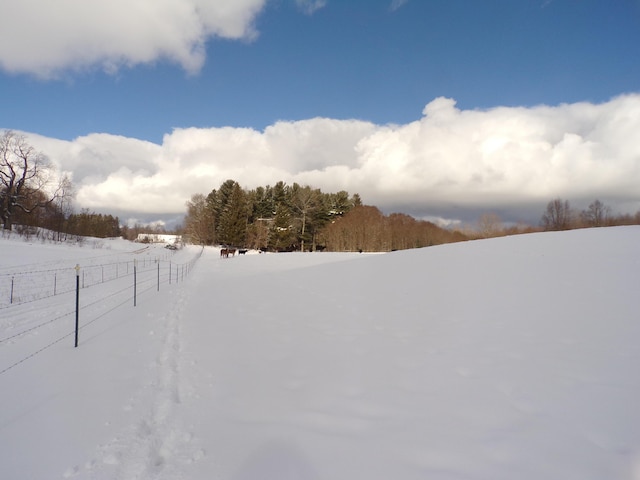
(559, 215)
(280, 217)
(294, 217)
(365, 228)
(32, 195)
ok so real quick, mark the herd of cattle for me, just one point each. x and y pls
(227, 252)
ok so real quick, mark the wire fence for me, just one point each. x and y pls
(145, 275)
(28, 286)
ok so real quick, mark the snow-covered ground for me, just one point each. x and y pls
(509, 358)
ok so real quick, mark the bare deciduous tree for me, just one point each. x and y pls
(199, 222)
(489, 225)
(305, 201)
(365, 228)
(597, 215)
(26, 179)
(557, 216)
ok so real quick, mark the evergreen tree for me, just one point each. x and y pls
(260, 203)
(279, 196)
(339, 203)
(232, 226)
(281, 235)
(277, 217)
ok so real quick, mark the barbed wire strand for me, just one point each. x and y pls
(85, 324)
(36, 353)
(37, 326)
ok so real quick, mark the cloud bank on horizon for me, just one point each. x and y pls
(505, 159)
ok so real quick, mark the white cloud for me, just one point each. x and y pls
(310, 6)
(396, 4)
(450, 160)
(44, 38)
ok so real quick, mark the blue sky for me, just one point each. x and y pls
(375, 61)
(352, 59)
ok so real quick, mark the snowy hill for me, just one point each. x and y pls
(502, 359)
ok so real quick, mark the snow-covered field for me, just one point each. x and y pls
(501, 359)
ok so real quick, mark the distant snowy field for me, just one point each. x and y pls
(502, 359)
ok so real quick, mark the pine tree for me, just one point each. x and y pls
(261, 204)
(281, 235)
(232, 226)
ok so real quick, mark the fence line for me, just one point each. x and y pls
(25, 287)
(185, 268)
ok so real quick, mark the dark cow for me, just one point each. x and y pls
(225, 252)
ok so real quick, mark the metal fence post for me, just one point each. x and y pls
(77, 301)
(135, 268)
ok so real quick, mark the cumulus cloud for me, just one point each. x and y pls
(44, 38)
(449, 161)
